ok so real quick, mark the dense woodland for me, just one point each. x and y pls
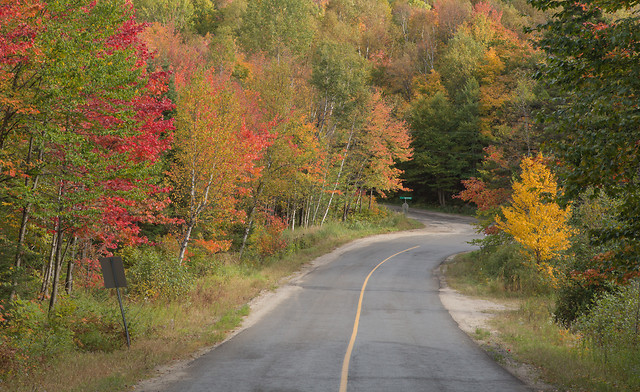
(202, 123)
(192, 128)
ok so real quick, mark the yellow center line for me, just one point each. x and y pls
(347, 355)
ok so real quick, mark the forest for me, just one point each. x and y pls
(178, 132)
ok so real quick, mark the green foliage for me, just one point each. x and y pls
(467, 54)
(446, 140)
(591, 72)
(154, 274)
(340, 75)
(500, 270)
(274, 26)
(576, 297)
(507, 265)
(374, 215)
(181, 13)
(612, 330)
(585, 279)
(31, 335)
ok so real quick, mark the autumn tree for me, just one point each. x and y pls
(490, 189)
(534, 218)
(90, 129)
(291, 162)
(217, 145)
(385, 142)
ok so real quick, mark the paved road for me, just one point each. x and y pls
(405, 340)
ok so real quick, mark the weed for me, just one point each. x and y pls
(481, 334)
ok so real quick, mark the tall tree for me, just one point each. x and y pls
(217, 144)
(592, 73)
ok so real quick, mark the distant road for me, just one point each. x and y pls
(404, 341)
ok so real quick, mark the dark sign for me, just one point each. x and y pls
(113, 272)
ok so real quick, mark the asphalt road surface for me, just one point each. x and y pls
(365, 318)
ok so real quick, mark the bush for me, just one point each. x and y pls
(375, 214)
(507, 263)
(576, 297)
(97, 324)
(613, 322)
(267, 238)
(155, 274)
(29, 336)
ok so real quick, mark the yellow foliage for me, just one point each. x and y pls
(534, 219)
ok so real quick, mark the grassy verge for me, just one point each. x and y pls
(165, 331)
(530, 335)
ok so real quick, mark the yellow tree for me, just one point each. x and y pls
(534, 219)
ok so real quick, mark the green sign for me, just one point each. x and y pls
(405, 197)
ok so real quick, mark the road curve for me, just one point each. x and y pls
(403, 339)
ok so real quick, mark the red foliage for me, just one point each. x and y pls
(494, 190)
(19, 28)
(477, 192)
(268, 239)
(485, 8)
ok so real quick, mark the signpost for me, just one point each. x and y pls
(405, 205)
(113, 274)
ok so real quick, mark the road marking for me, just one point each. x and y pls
(347, 355)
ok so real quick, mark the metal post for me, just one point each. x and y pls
(124, 320)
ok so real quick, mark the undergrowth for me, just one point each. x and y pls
(599, 352)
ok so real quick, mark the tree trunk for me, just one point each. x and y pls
(195, 209)
(335, 186)
(57, 266)
(250, 218)
(441, 198)
(22, 233)
(307, 216)
(185, 241)
(48, 267)
(68, 284)
(293, 218)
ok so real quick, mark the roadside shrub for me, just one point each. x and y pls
(97, 323)
(613, 323)
(375, 214)
(577, 295)
(154, 274)
(507, 263)
(30, 336)
(267, 238)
